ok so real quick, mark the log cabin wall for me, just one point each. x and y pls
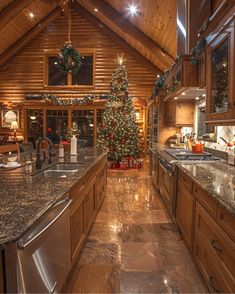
(25, 73)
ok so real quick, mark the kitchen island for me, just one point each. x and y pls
(26, 198)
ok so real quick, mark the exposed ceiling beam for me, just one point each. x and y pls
(114, 37)
(29, 36)
(12, 10)
(131, 30)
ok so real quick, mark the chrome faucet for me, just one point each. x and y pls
(38, 151)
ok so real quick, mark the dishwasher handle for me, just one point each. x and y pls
(25, 242)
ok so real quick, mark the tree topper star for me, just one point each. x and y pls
(120, 59)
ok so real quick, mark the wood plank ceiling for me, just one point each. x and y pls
(152, 33)
(156, 18)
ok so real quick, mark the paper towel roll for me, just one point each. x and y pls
(73, 146)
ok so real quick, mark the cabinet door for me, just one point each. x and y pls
(167, 188)
(202, 70)
(170, 112)
(214, 253)
(101, 181)
(89, 206)
(77, 227)
(184, 113)
(185, 213)
(220, 76)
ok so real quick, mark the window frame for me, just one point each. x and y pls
(53, 53)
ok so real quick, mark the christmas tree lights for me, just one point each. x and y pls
(119, 130)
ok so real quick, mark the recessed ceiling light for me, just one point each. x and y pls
(197, 98)
(183, 93)
(31, 14)
(95, 9)
(132, 9)
(203, 95)
(175, 98)
(158, 76)
(32, 117)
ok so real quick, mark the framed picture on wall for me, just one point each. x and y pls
(9, 115)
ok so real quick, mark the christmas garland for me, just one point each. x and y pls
(88, 99)
(69, 59)
(197, 50)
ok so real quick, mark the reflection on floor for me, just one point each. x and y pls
(133, 246)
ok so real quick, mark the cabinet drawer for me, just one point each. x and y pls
(205, 200)
(227, 222)
(219, 248)
(186, 180)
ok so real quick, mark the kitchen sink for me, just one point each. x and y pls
(59, 173)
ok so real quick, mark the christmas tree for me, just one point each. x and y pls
(119, 130)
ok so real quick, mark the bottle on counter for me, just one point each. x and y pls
(28, 167)
(61, 150)
(231, 156)
(73, 146)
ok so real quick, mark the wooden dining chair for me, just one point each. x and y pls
(10, 148)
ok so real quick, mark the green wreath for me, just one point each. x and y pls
(69, 59)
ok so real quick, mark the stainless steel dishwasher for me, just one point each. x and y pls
(40, 261)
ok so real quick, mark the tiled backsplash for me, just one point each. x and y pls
(227, 132)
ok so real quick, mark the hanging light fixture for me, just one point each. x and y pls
(69, 59)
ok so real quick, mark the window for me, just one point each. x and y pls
(85, 74)
(57, 124)
(54, 77)
(35, 124)
(83, 121)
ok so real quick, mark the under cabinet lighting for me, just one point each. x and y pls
(197, 98)
(31, 14)
(32, 117)
(203, 95)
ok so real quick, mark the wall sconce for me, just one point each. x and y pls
(14, 126)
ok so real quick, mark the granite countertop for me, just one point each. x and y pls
(217, 178)
(24, 198)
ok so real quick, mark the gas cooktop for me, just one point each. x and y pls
(180, 154)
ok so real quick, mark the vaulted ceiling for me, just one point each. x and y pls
(151, 33)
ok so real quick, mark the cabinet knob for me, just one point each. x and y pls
(229, 105)
(212, 284)
(214, 245)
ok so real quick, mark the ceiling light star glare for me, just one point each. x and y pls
(132, 9)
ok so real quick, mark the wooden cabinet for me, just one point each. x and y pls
(77, 227)
(101, 182)
(166, 186)
(214, 253)
(202, 70)
(185, 208)
(89, 206)
(183, 75)
(87, 196)
(179, 113)
(220, 107)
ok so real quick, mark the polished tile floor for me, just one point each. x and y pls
(133, 246)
